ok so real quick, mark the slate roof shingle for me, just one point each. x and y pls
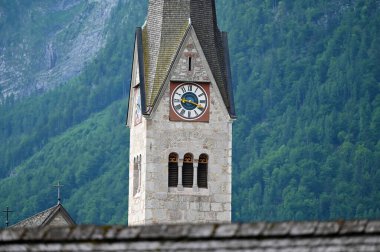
(262, 236)
(43, 218)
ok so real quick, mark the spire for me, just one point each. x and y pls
(58, 192)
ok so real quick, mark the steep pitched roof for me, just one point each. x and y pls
(162, 36)
(43, 218)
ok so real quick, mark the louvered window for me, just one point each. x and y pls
(173, 170)
(202, 171)
(187, 171)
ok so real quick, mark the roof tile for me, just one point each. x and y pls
(57, 233)
(350, 227)
(329, 236)
(199, 231)
(251, 229)
(373, 227)
(81, 232)
(154, 231)
(277, 228)
(37, 219)
(177, 231)
(99, 233)
(10, 234)
(129, 233)
(327, 228)
(112, 232)
(226, 230)
(34, 234)
(303, 228)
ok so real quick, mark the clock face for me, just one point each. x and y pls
(189, 101)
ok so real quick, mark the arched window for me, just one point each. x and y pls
(135, 176)
(173, 170)
(139, 173)
(202, 171)
(187, 170)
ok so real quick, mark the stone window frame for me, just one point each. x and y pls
(202, 171)
(173, 169)
(195, 165)
(188, 170)
(136, 175)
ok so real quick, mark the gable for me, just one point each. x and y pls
(200, 71)
(58, 220)
(190, 66)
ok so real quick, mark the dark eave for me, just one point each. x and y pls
(140, 54)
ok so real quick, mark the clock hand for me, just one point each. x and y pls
(183, 100)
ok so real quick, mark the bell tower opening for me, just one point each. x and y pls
(188, 171)
(173, 170)
(202, 171)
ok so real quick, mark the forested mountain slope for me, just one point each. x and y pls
(40, 143)
(306, 142)
(308, 78)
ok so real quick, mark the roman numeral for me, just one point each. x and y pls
(202, 101)
(188, 114)
(189, 88)
(182, 112)
(183, 89)
(178, 107)
(201, 95)
(177, 100)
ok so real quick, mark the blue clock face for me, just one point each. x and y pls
(189, 101)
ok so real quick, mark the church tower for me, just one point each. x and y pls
(180, 117)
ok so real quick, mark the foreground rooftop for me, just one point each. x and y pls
(262, 236)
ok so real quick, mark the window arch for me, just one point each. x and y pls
(139, 173)
(173, 170)
(135, 175)
(202, 171)
(187, 170)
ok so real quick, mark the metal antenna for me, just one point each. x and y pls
(59, 192)
(7, 213)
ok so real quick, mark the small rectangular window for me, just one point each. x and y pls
(189, 63)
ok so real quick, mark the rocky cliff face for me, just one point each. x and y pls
(45, 43)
